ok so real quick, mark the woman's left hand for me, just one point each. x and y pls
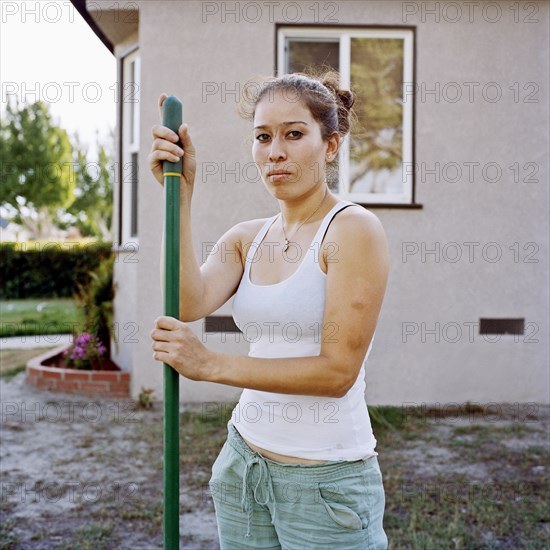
(175, 343)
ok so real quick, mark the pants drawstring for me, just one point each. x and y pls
(246, 502)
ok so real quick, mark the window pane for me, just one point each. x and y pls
(133, 194)
(132, 111)
(376, 139)
(303, 55)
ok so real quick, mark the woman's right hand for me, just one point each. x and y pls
(165, 148)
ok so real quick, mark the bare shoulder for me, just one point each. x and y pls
(245, 233)
(355, 224)
(252, 226)
(248, 229)
(356, 243)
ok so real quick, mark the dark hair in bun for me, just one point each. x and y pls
(345, 100)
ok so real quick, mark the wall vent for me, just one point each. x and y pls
(501, 326)
(220, 323)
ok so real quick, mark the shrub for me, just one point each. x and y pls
(50, 270)
(96, 301)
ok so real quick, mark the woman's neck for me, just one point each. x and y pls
(303, 210)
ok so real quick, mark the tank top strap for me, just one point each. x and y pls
(258, 239)
(254, 245)
(320, 235)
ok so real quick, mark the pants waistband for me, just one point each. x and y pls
(298, 472)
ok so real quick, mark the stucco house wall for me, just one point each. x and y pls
(428, 348)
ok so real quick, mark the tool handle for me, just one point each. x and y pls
(172, 117)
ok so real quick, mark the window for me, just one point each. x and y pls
(129, 173)
(376, 157)
(133, 195)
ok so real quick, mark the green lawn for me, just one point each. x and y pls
(39, 316)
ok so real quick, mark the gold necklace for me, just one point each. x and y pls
(287, 242)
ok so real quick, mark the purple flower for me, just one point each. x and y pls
(83, 339)
(86, 348)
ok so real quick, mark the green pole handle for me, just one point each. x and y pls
(172, 116)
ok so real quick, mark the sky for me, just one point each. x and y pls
(48, 52)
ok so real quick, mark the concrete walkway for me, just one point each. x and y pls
(37, 341)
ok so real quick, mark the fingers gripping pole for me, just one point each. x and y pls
(172, 117)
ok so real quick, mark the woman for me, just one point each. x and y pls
(298, 469)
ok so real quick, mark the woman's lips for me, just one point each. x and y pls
(279, 176)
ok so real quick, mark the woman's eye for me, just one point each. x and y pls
(297, 132)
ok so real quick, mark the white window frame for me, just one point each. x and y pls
(129, 97)
(344, 35)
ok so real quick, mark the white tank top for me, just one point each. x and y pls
(285, 320)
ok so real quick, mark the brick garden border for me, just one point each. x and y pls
(80, 382)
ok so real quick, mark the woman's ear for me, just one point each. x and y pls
(332, 148)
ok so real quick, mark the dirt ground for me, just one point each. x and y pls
(87, 474)
(82, 473)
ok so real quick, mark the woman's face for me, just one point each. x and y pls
(288, 139)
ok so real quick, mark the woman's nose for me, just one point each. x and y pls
(276, 151)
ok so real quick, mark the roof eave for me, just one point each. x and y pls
(80, 6)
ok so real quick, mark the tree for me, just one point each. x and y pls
(92, 209)
(376, 141)
(36, 167)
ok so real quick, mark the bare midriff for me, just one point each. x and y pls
(281, 458)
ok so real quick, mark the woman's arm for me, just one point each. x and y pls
(355, 286)
(191, 284)
(165, 148)
(312, 375)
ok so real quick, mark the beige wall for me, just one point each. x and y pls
(179, 53)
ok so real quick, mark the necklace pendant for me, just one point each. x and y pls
(285, 245)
